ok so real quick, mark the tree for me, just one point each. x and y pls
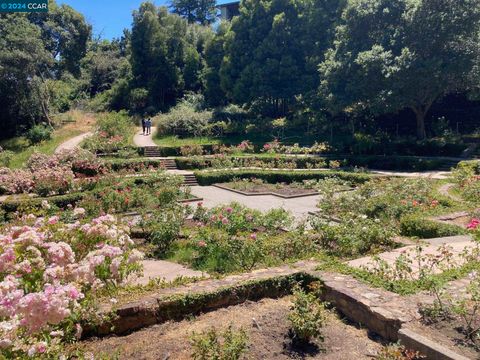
(166, 54)
(200, 11)
(391, 55)
(214, 53)
(268, 51)
(24, 63)
(65, 34)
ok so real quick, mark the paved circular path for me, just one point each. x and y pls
(166, 270)
(299, 207)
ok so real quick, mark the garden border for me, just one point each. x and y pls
(360, 303)
(265, 193)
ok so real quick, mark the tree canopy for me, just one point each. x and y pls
(403, 54)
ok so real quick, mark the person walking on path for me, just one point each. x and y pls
(144, 125)
(149, 126)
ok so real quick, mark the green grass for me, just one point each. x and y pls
(174, 141)
(22, 149)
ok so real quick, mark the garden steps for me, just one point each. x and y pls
(152, 151)
(430, 248)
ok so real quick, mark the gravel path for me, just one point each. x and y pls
(143, 140)
(73, 142)
(166, 270)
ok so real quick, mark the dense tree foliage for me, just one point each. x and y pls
(403, 54)
(200, 11)
(39, 55)
(165, 56)
(273, 48)
(315, 65)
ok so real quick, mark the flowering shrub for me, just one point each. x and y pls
(275, 147)
(232, 238)
(245, 147)
(191, 150)
(82, 162)
(113, 133)
(51, 181)
(467, 177)
(50, 273)
(15, 181)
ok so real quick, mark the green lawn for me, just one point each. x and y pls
(174, 141)
(22, 150)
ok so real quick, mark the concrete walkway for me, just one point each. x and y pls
(141, 140)
(431, 248)
(73, 142)
(299, 207)
(166, 270)
(439, 175)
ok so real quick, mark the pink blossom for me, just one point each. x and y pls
(474, 223)
(253, 236)
(53, 220)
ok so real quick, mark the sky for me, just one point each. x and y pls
(108, 17)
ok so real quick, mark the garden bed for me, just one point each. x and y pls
(265, 323)
(286, 191)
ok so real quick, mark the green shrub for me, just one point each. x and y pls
(414, 225)
(5, 157)
(272, 176)
(39, 133)
(307, 317)
(210, 345)
(184, 120)
(353, 236)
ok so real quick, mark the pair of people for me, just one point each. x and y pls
(147, 126)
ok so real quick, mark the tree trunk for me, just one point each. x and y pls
(420, 113)
(421, 133)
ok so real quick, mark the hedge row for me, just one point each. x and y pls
(60, 200)
(273, 176)
(136, 163)
(373, 162)
(428, 229)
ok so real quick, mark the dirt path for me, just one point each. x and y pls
(73, 142)
(141, 140)
(267, 328)
(445, 191)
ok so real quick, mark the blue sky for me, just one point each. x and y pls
(108, 17)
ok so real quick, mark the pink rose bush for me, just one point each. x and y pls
(50, 272)
(50, 175)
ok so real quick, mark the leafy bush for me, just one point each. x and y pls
(307, 317)
(5, 157)
(467, 178)
(184, 120)
(355, 235)
(113, 133)
(39, 133)
(210, 345)
(414, 225)
(232, 238)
